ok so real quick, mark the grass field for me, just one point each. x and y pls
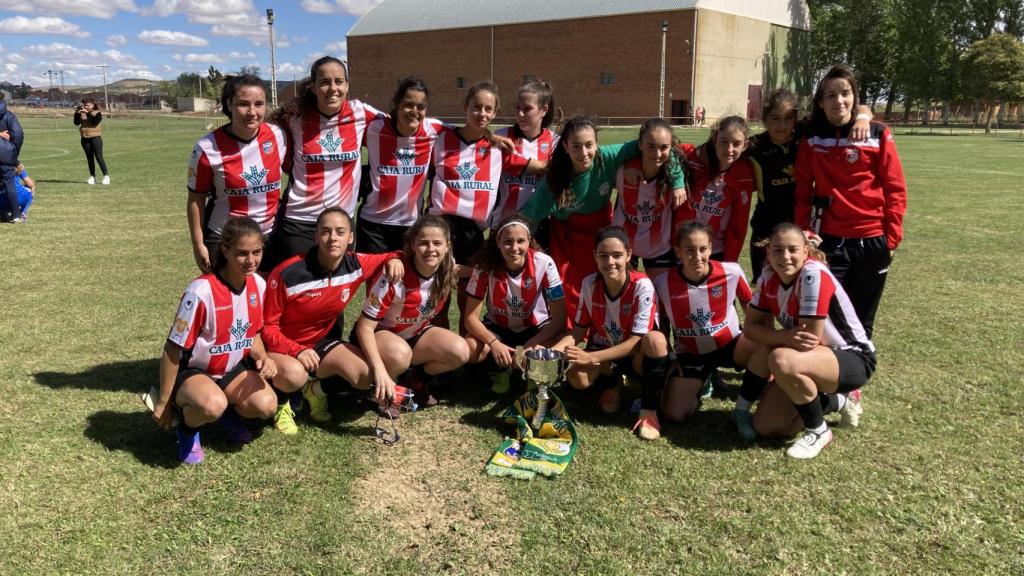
(932, 482)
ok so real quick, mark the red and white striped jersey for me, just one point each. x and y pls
(517, 302)
(516, 188)
(642, 211)
(215, 325)
(239, 178)
(402, 307)
(398, 171)
(326, 162)
(703, 316)
(612, 320)
(814, 293)
(304, 301)
(722, 202)
(466, 176)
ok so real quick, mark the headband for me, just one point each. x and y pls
(512, 223)
(612, 232)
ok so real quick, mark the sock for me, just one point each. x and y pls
(812, 415)
(751, 389)
(655, 373)
(318, 389)
(831, 403)
(186, 429)
(282, 397)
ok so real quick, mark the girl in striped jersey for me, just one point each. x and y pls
(698, 298)
(216, 333)
(617, 309)
(535, 111)
(576, 196)
(525, 302)
(235, 171)
(395, 330)
(325, 130)
(721, 184)
(820, 357)
(305, 314)
(645, 206)
(399, 151)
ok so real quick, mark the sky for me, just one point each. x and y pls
(160, 39)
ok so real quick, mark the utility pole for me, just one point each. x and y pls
(50, 74)
(661, 89)
(63, 92)
(106, 102)
(273, 66)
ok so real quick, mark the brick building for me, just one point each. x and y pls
(602, 57)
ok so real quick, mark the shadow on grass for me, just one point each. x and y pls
(133, 432)
(133, 376)
(712, 431)
(56, 181)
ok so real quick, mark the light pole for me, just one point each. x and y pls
(273, 66)
(106, 102)
(661, 89)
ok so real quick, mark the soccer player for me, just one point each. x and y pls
(395, 331)
(305, 310)
(821, 355)
(698, 298)
(525, 301)
(214, 364)
(617, 308)
(235, 170)
(645, 206)
(399, 151)
(326, 131)
(576, 196)
(852, 194)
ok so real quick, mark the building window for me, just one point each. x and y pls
(607, 78)
(527, 78)
(460, 82)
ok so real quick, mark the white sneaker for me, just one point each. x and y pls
(809, 445)
(91, 180)
(106, 180)
(850, 414)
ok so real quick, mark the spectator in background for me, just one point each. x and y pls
(26, 190)
(11, 139)
(88, 118)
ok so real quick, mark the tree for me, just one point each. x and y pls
(994, 72)
(251, 69)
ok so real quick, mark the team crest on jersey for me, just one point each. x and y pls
(330, 142)
(786, 320)
(268, 147)
(712, 196)
(189, 304)
(514, 303)
(467, 170)
(852, 155)
(424, 309)
(273, 284)
(701, 317)
(528, 283)
(716, 291)
(180, 325)
(481, 152)
(616, 332)
(544, 147)
(344, 295)
(255, 176)
(252, 299)
(627, 308)
(810, 279)
(239, 329)
(405, 155)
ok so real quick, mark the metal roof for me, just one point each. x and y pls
(393, 16)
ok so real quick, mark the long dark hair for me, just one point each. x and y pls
(560, 172)
(235, 229)
(305, 93)
(444, 279)
(404, 85)
(488, 258)
(646, 128)
(839, 72)
(707, 149)
(542, 90)
(232, 86)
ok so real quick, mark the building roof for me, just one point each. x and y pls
(393, 16)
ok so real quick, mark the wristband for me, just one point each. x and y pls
(863, 117)
(492, 340)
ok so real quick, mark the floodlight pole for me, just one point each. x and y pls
(106, 102)
(273, 66)
(661, 89)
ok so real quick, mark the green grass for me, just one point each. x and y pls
(930, 483)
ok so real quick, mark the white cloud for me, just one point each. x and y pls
(318, 6)
(10, 67)
(93, 8)
(116, 40)
(170, 38)
(354, 7)
(289, 69)
(337, 47)
(41, 25)
(211, 58)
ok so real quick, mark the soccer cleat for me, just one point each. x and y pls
(317, 404)
(611, 399)
(809, 445)
(91, 180)
(744, 423)
(284, 420)
(190, 451)
(649, 427)
(707, 389)
(850, 414)
(234, 427)
(106, 180)
(500, 383)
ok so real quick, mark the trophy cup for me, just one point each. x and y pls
(545, 367)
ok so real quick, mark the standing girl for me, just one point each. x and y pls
(822, 348)
(396, 331)
(216, 333)
(235, 171)
(88, 118)
(525, 301)
(326, 131)
(852, 194)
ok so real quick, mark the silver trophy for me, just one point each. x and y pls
(545, 367)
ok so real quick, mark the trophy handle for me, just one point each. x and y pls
(519, 358)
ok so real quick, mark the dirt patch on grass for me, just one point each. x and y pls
(429, 494)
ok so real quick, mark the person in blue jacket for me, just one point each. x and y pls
(26, 188)
(11, 138)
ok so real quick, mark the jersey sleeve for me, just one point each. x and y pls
(541, 204)
(552, 282)
(284, 154)
(200, 173)
(743, 293)
(372, 264)
(273, 308)
(615, 155)
(739, 220)
(894, 189)
(758, 299)
(189, 321)
(478, 283)
(645, 306)
(816, 291)
(514, 163)
(583, 319)
(378, 299)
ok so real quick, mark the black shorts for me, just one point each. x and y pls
(184, 372)
(290, 237)
(374, 238)
(325, 345)
(467, 238)
(510, 338)
(700, 366)
(666, 260)
(855, 368)
(411, 341)
(212, 242)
